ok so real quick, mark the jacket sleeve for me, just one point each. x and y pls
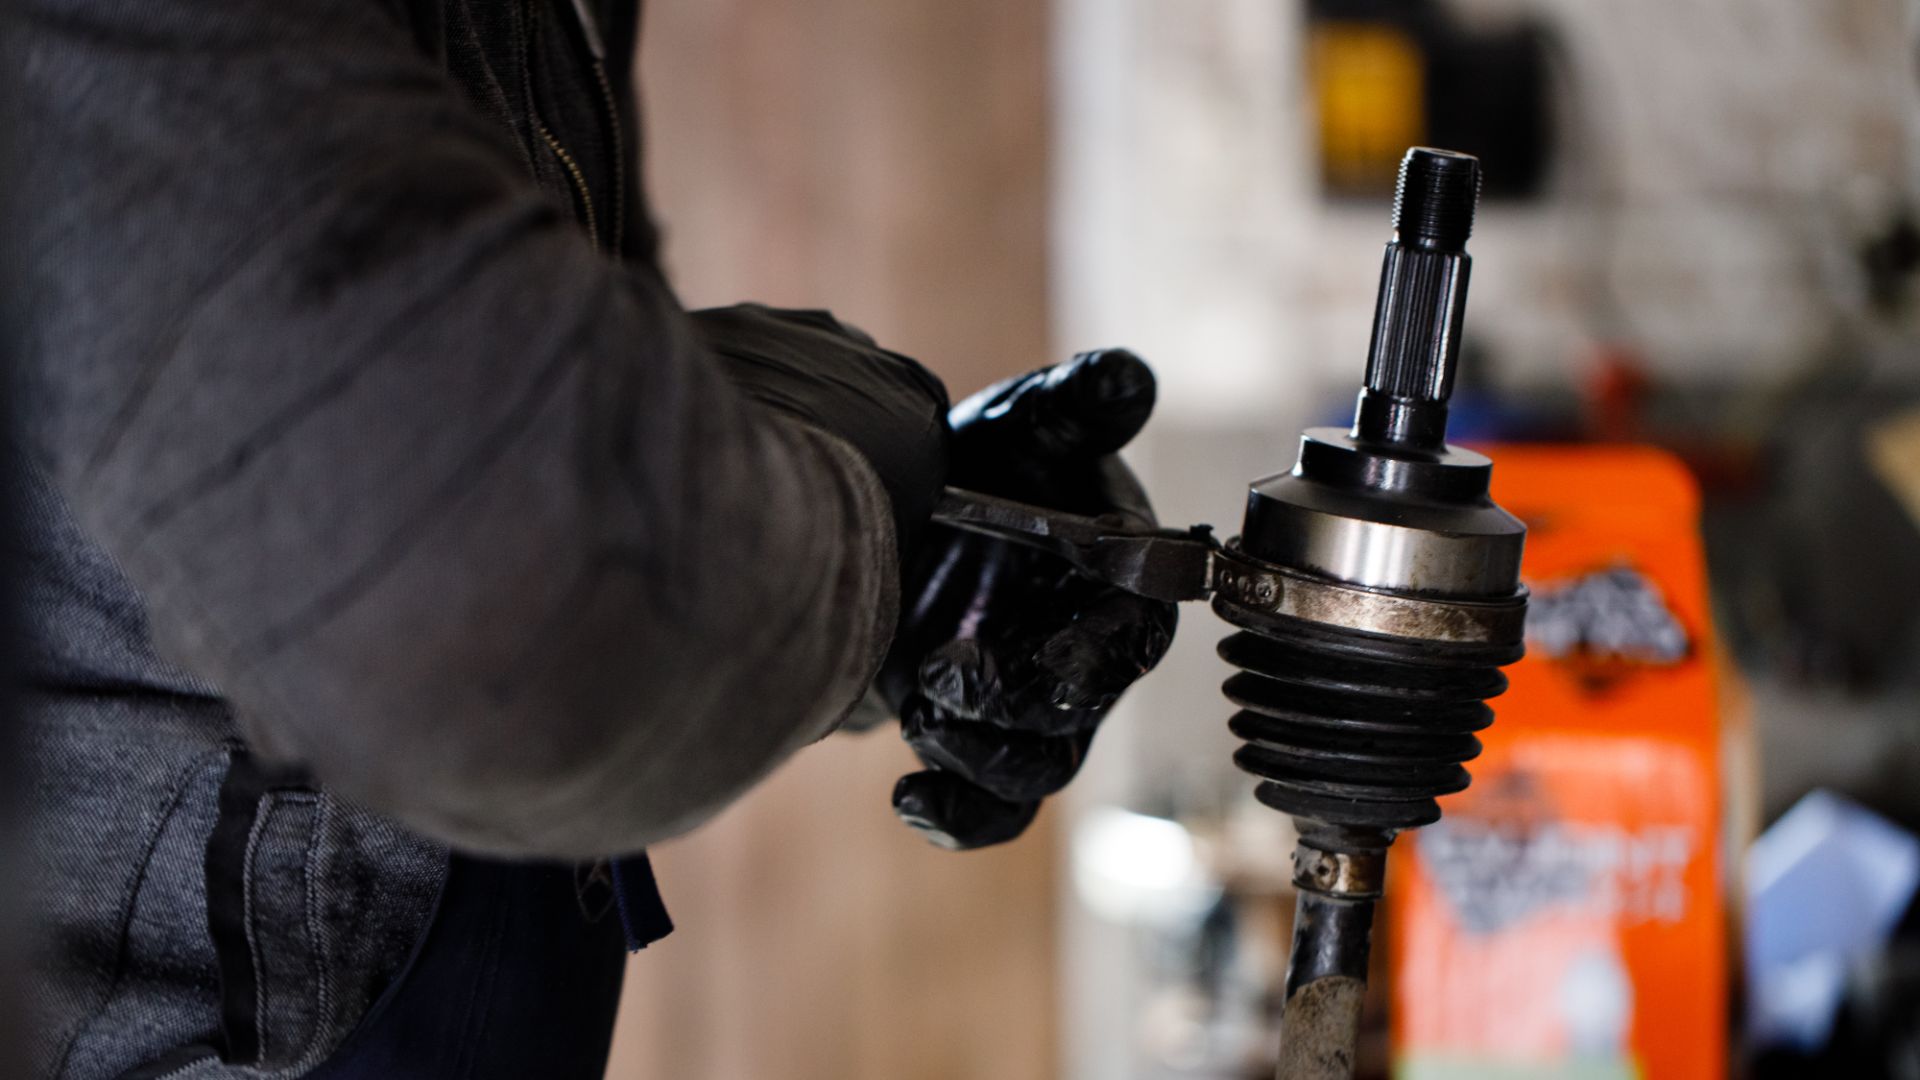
(453, 509)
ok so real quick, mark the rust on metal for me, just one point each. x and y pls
(1339, 873)
(1320, 1029)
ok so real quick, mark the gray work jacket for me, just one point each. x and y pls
(361, 429)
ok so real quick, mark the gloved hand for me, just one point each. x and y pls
(1006, 659)
(833, 376)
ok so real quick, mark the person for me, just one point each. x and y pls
(400, 559)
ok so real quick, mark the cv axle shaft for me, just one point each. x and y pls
(1354, 723)
(1376, 589)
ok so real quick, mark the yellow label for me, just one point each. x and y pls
(1369, 81)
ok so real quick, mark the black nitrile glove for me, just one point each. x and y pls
(833, 376)
(1006, 659)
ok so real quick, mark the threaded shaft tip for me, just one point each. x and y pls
(1433, 206)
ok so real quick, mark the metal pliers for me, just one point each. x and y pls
(1159, 564)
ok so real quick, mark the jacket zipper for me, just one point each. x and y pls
(579, 178)
(589, 31)
(618, 237)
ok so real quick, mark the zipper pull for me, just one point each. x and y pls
(590, 29)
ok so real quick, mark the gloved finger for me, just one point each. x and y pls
(1031, 707)
(1092, 405)
(1011, 764)
(1112, 641)
(957, 815)
(1015, 601)
(958, 576)
(962, 678)
(1119, 494)
(1064, 664)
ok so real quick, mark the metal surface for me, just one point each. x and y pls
(1353, 874)
(1327, 970)
(1411, 545)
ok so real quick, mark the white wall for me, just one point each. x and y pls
(1716, 146)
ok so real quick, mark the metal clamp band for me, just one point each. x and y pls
(1175, 565)
(1271, 590)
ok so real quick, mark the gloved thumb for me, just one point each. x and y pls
(1089, 406)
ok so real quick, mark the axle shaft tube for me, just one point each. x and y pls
(1327, 973)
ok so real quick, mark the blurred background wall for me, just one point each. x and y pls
(886, 161)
